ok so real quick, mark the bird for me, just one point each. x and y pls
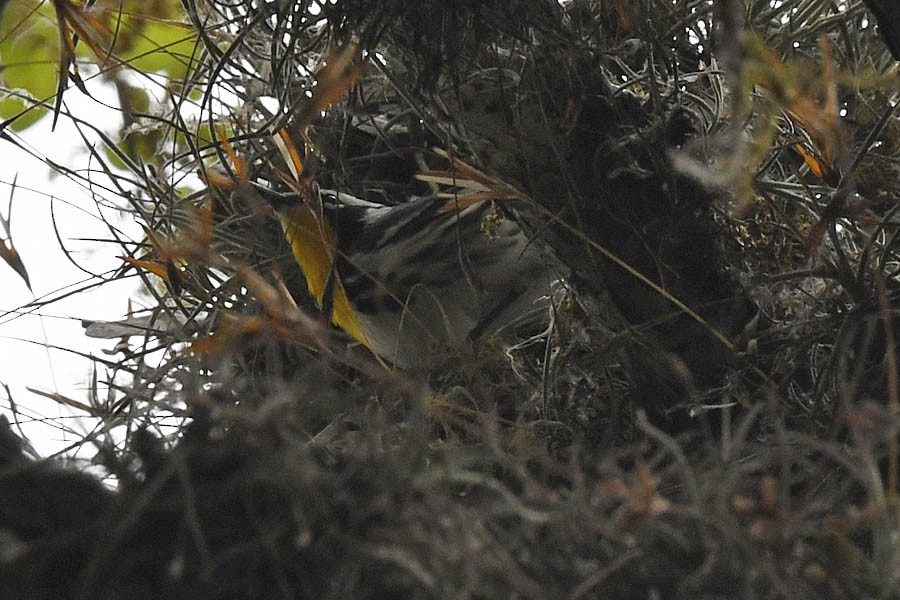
(411, 280)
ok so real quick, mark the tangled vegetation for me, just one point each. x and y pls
(712, 411)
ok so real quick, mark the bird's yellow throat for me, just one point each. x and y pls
(314, 243)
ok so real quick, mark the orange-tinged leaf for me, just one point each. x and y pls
(9, 253)
(817, 165)
(239, 164)
(292, 156)
(211, 212)
(333, 81)
(218, 179)
(159, 246)
(831, 107)
(88, 29)
(235, 330)
(175, 278)
(335, 89)
(155, 267)
(815, 122)
(476, 186)
(207, 345)
(11, 257)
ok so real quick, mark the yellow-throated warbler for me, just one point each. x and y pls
(408, 279)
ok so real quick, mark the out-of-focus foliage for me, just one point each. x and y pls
(713, 409)
(130, 37)
(28, 40)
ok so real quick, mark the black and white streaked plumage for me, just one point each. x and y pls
(417, 277)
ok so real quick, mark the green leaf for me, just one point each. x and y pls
(29, 49)
(154, 37)
(163, 47)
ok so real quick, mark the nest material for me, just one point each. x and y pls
(530, 471)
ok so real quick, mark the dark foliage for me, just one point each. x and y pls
(713, 413)
(260, 512)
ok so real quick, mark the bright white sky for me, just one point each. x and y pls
(25, 359)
